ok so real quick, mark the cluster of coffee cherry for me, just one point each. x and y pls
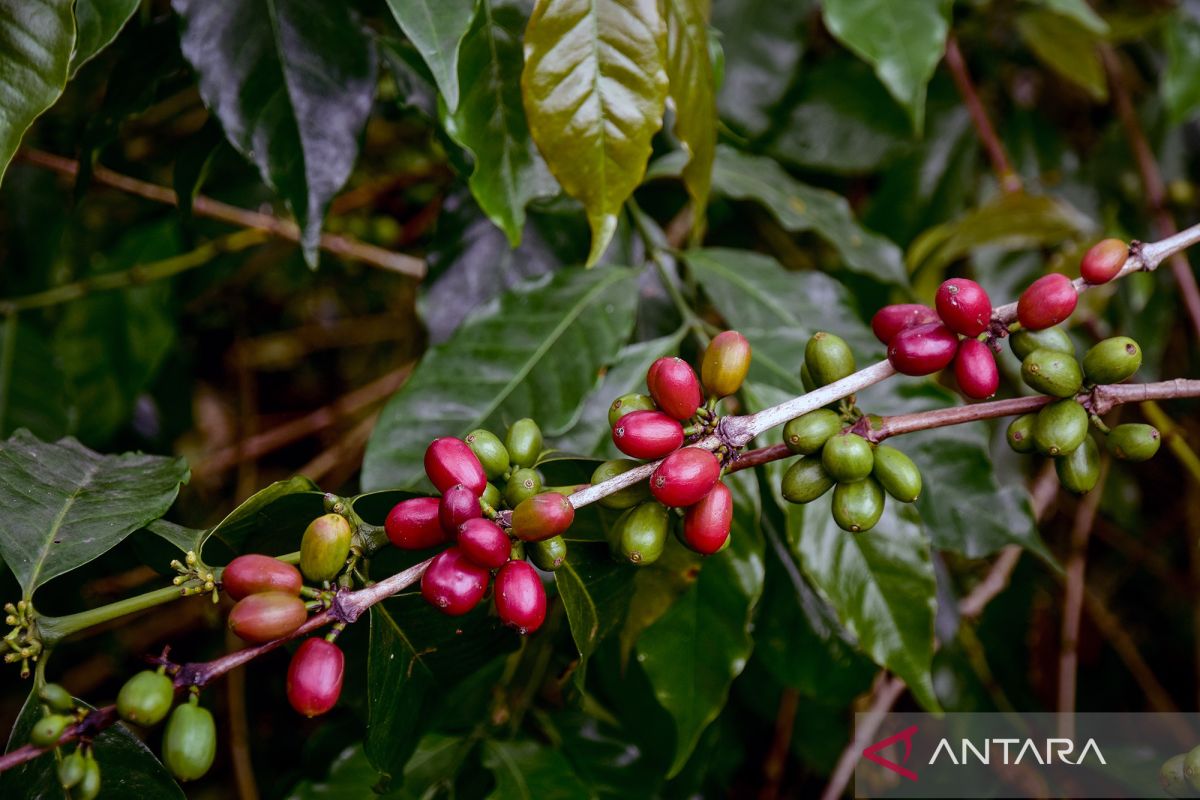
(1179, 776)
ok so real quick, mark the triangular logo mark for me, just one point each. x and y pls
(871, 753)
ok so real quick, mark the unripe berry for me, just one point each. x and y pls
(324, 547)
(541, 517)
(1191, 769)
(923, 349)
(1079, 470)
(725, 364)
(414, 524)
(522, 484)
(1053, 373)
(627, 404)
(265, 616)
(706, 524)
(89, 785)
(641, 533)
(55, 696)
(484, 542)
(628, 497)
(548, 554)
(452, 583)
(146, 698)
(524, 442)
(1171, 777)
(449, 461)
(458, 505)
(890, 320)
(805, 481)
(1020, 434)
(975, 370)
(314, 677)
(72, 769)
(857, 506)
(254, 573)
(647, 434)
(491, 452)
(674, 386)
(491, 496)
(847, 457)
(897, 474)
(47, 730)
(1103, 261)
(1134, 441)
(964, 306)
(807, 434)
(520, 597)
(1025, 342)
(1060, 427)
(685, 477)
(1048, 301)
(190, 741)
(1112, 360)
(828, 358)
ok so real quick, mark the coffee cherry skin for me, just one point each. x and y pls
(923, 349)
(254, 573)
(1060, 427)
(674, 386)
(828, 358)
(806, 379)
(641, 533)
(1025, 342)
(541, 517)
(1053, 373)
(190, 741)
(1103, 261)
(647, 434)
(324, 547)
(706, 525)
(1112, 360)
(491, 497)
(1079, 470)
(964, 306)
(524, 442)
(1171, 778)
(1048, 301)
(491, 452)
(314, 677)
(1191, 768)
(725, 364)
(685, 477)
(458, 505)
(857, 506)
(805, 481)
(548, 554)
(847, 457)
(1020, 434)
(522, 484)
(520, 597)
(414, 524)
(146, 698)
(263, 617)
(897, 474)
(1134, 441)
(58, 698)
(452, 583)
(89, 785)
(975, 370)
(627, 404)
(807, 434)
(621, 499)
(72, 769)
(484, 542)
(47, 730)
(449, 462)
(890, 320)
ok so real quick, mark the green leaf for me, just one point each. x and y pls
(98, 22)
(184, 538)
(291, 82)
(351, 776)
(880, 582)
(526, 770)
(282, 509)
(606, 757)
(693, 652)
(493, 372)
(1066, 47)
(1079, 11)
(490, 121)
(763, 41)
(595, 591)
(66, 505)
(595, 84)
(436, 28)
(36, 39)
(32, 388)
(902, 39)
(1181, 76)
(690, 74)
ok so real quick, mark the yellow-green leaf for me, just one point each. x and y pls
(693, 95)
(1066, 47)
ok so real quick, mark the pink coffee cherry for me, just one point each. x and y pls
(520, 597)
(975, 370)
(964, 306)
(890, 320)
(923, 349)
(1048, 301)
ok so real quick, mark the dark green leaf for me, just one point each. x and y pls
(526, 770)
(655, 590)
(184, 538)
(763, 42)
(437, 28)
(595, 592)
(690, 74)
(494, 372)
(595, 84)
(66, 505)
(605, 757)
(1181, 76)
(1066, 47)
(350, 777)
(32, 388)
(292, 83)
(283, 509)
(98, 22)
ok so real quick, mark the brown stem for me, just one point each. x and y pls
(785, 722)
(956, 415)
(1009, 180)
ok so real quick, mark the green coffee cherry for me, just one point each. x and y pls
(1079, 470)
(857, 506)
(1020, 434)
(48, 729)
(807, 434)
(549, 554)
(146, 698)
(828, 358)
(491, 496)
(1060, 427)
(1051, 372)
(491, 452)
(897, 474)
(324, 547)
(628, 497)
(1112, 360)
(1134, 441)
(805, 481)
(1171, 779)
(847, 457)
(1024, 342)
(190, 741)
(628, 403)
(89, 786)
(522, 485)
(806, 379)
(524, 442)
(1191, 768)
(72, 769)
(58, 698)
(642, 532)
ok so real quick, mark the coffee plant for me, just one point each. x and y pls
(586, 398)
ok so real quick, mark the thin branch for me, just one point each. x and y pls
(886, 695)
(776, 760)
(1009, 180)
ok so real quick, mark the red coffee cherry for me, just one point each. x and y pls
(706, 524)
(674, 386)
(1103, 261)
(1048, 301)
(262, 617)
(414, 524)
(484, 542)
(647, 434)
(520, 597)
(458, 505)
(890, 320)
(450, 461)
(964, 306)
(542, 516)
(254, 573)
(726, 362)
(975, 370)
(453, 584)
(314, 678)
(685, 477)
(923, 349)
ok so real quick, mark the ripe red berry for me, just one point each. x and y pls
(254, 573)
(414, 524)
(520, 597)
(685, 477)
(1048, 301)
(726, 362)
(484, 542)
(890, 320)
(647, 434)
(542, 516)
(923, 349)
(674, 386)
(975, 370)
(964, 306)
(269, 615)
(706, 524)
(450, 461)
(458, 505)
(1103, 261)
(314, 678)
(453, 584)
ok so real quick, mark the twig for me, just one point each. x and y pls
(239, 734)
(347, 446)
(1009, 180)
(785, 722)
(886, 695)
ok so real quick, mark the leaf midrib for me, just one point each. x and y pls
(56, 527)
